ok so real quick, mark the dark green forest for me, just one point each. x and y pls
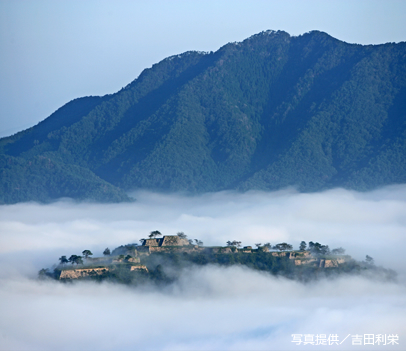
(269, 112)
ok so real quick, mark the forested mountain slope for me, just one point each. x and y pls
(272, 111)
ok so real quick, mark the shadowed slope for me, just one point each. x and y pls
(269, 112)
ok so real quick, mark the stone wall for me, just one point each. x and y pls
(299, 262)
(139, 267)
(322, 263)
(82, 273)
(333, 263)
(174, 240)
(151, 242)
(299, 254)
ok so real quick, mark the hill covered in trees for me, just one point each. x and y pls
(269, 112)
(163, 260)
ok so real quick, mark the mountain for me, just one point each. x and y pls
(269, 112)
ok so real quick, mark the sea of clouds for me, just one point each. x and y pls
(210, 307)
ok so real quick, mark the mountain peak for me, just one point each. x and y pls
(268, 112)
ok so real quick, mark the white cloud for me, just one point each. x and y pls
(209, 308)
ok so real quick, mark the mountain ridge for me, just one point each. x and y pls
(271, 111)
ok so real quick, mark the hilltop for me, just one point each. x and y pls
(162, 261)
(272, 111)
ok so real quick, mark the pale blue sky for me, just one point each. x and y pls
(54, 51)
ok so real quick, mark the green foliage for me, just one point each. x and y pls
(318, 249)
(124, 250)
(283, 247)
(234, 243)
(369, 260)
(87, 253)
(106, 252)
(154, 234)
(44, 179)
(75, 259)
(338, 251)
(266, 113)
(44, 273)
(63, 260)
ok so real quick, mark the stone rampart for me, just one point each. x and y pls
(333, 263)
(300, 262)
(82, 272)
(139, 267)
(299, 254)
(174, 240)
(322, 262)
(151, 242)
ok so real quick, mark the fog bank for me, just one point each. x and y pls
(209, 308)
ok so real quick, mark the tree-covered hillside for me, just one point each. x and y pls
(269, 112)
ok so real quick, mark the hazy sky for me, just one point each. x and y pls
(55, 51)
(209, 308)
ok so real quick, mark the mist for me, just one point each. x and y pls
(210, 307)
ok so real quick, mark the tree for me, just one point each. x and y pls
(106, 252)
(142, 241)
(72, 259)
(43, 273)
(324, 250)
(234, 243)
(369, 260)
(283, 247)
(182, 235)
(198, 242)
(75, 259)
(314, 247)
(318, 249)
(302, 246)
(338, 251)
(268, 245)
(258, 245)
(154, 233)
(63, 260)
(87, 253)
